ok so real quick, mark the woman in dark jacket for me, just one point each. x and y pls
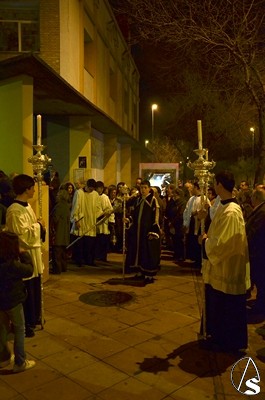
(14, 266)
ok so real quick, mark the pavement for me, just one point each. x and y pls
(106, 339)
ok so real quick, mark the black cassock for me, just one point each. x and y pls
(143, 238)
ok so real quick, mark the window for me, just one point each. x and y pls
(89, 57)
(19, 27)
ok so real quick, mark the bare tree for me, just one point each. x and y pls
(164, 151)
(227, 34)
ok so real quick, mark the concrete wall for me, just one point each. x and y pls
(16, 129)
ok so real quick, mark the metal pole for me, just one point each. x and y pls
(153, 130)
(39, 163)
(201, 168)
(124, 237)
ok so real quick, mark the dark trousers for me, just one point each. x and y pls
(77, 250)
(193, 248)
(178, 246)
(102, 246)
(59, 259)
(89, 249)
(32, 305)
(226, 319)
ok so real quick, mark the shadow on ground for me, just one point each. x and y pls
(192, 359)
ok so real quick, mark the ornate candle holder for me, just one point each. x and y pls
(39, 163)
(201, 168)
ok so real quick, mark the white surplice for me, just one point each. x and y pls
(22, 220)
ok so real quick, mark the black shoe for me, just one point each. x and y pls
(29, 332)
(138, 277)
(148, 280)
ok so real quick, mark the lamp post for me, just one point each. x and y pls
(153, 108)
(252, 130)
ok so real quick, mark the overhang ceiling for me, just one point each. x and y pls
(54, 96)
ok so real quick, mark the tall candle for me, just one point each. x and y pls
(199, 127)
(38, 129)
(206, 154)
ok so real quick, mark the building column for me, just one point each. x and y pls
(125, 165)
(16, 124)
(136, 160)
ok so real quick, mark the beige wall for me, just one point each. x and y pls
(109, 51)
(16, 130)
(71, 42)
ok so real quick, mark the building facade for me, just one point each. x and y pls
(68, 61)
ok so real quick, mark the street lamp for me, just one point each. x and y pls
(153, 108)
(252, 130)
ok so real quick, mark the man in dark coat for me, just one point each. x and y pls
(255, 228)
(143, 250)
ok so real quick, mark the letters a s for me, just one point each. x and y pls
(251, 383)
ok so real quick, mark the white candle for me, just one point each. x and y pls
(38, 129)
(206, 154)
(199, 127)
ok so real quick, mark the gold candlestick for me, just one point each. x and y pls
(39, 163)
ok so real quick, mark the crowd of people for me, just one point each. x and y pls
(217, 233)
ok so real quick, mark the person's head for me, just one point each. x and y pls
(170, 189)
(99, 187)
(196, 189)
(23, 184)
(5, 187)
(9, 246)
(80, 184)
(158, 189)
(235, 192)
(70, 188)
(145, 188)
(112, 192)
(120, 186)
(224, 182)
(244, 185)
(177, 193)
(260, 186)
(2, 174)
(211, 193)
(258, 196)
(63, 196)
(138, 182)
(91, 184)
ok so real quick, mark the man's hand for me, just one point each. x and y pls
(201, 237)
(42, 222)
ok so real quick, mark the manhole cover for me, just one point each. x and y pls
(105, 298)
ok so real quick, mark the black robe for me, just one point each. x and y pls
(143, 253)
